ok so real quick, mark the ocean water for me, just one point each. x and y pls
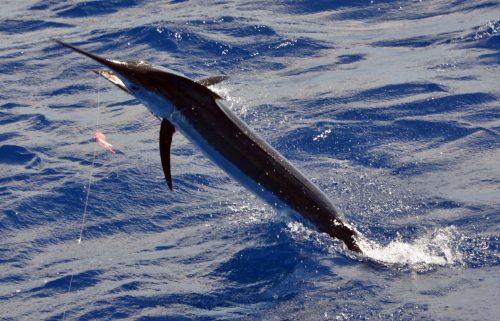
(391, 107)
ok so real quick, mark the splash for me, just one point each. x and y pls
(487, 30)
(236, 104)
(437, 248)
(323, 135)
(441, 247)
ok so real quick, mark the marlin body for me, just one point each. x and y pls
(201, 115)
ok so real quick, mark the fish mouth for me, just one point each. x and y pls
(113, 78)
(110, 75)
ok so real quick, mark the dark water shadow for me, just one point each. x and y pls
(84, 9)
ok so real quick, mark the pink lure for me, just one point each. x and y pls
(101, 140)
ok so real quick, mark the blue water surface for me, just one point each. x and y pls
(391, 107)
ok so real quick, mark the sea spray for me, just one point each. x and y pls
(440, 247)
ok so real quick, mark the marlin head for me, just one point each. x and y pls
(158, 88)
(161, 90)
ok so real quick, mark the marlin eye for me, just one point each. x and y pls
(134, 87)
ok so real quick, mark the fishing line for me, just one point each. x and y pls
(89, 180)
(84, 216)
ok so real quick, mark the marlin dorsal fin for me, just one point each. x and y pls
(209, 81)
(167, 130)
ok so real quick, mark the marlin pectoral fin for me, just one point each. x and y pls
(209, 81)
(167, 130)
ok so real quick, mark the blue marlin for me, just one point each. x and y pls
(201, 116)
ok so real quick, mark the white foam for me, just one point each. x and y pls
(437, 248)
